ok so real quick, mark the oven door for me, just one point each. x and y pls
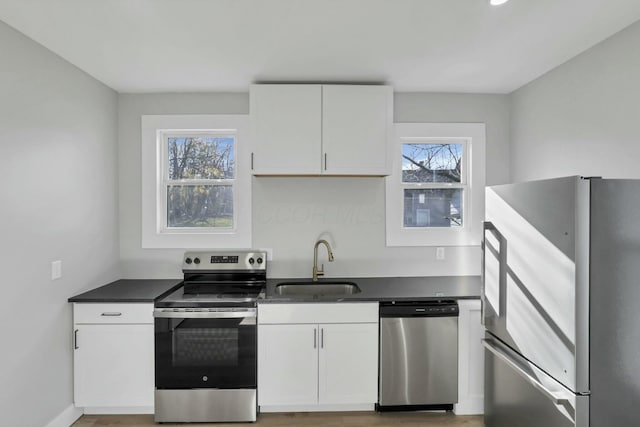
(205, 348)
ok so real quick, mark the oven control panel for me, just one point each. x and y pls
(228, 260)
(224, 259)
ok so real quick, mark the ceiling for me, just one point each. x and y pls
(224, 45)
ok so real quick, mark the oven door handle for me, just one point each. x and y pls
(203, 314)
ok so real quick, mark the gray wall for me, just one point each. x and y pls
(154, 263)
(289, 214)
(59, 202)
(581, 118)
(466, 108)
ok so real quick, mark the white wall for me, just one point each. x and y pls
(289, 214)
(582, 118)
(59, 202)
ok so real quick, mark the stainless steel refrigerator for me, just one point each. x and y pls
(561, 303)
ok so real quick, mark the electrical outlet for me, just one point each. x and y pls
(440, 253)
(269, 252)
(56, 270)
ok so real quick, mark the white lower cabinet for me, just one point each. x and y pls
(348, 363)
(328, 361)
(287, 364)
(113, 360)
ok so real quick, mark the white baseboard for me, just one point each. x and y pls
(66, 417)
(472, 406)
(118, 410)
(317, 408)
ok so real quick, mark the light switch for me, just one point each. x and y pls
(440, 253)
(56, 270)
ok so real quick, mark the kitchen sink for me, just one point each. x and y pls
(311, 288)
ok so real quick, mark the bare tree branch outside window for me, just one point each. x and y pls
(431, 162)
(436, 163)
(200, 204)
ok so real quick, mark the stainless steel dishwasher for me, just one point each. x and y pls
(418, 355)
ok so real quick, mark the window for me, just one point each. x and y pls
(198, 171)
(196, 182)
(436, 190)
(433, 181)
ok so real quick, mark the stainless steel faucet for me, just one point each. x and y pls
(320, 272)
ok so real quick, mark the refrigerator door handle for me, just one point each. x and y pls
(499, 246)
(488, 344)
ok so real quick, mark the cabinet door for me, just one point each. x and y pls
(286, 129)
(113, 365)
(356, 125)
(348, 364)
(287, 364)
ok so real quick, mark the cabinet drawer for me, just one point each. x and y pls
(318, 313)
(112, 313)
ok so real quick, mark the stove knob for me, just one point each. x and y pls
(188, 261)
(196, 260)
(259, 260)
(251, 261)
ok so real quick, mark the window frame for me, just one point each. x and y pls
(156, 129)
(472, 136)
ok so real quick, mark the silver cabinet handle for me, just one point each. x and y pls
(321, 337)
(524, 374)
(251, 161)
(75, 340)
(111, 314)
(325, 161)
(315, 340)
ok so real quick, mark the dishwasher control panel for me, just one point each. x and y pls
(419, 309)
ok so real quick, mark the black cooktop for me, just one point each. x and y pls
(224, 296)
(225, 278)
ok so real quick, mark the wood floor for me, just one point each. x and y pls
(317, 419)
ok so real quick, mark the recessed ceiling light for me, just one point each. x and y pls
(497, 2)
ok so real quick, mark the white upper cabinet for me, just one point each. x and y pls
(321, 129)
(286, 129)
(356, 121)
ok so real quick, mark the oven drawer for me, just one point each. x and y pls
(113, 313)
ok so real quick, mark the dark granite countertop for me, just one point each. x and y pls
(129, 290)
(387, 289)
(372, 289)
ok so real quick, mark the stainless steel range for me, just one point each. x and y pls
(206, 339)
